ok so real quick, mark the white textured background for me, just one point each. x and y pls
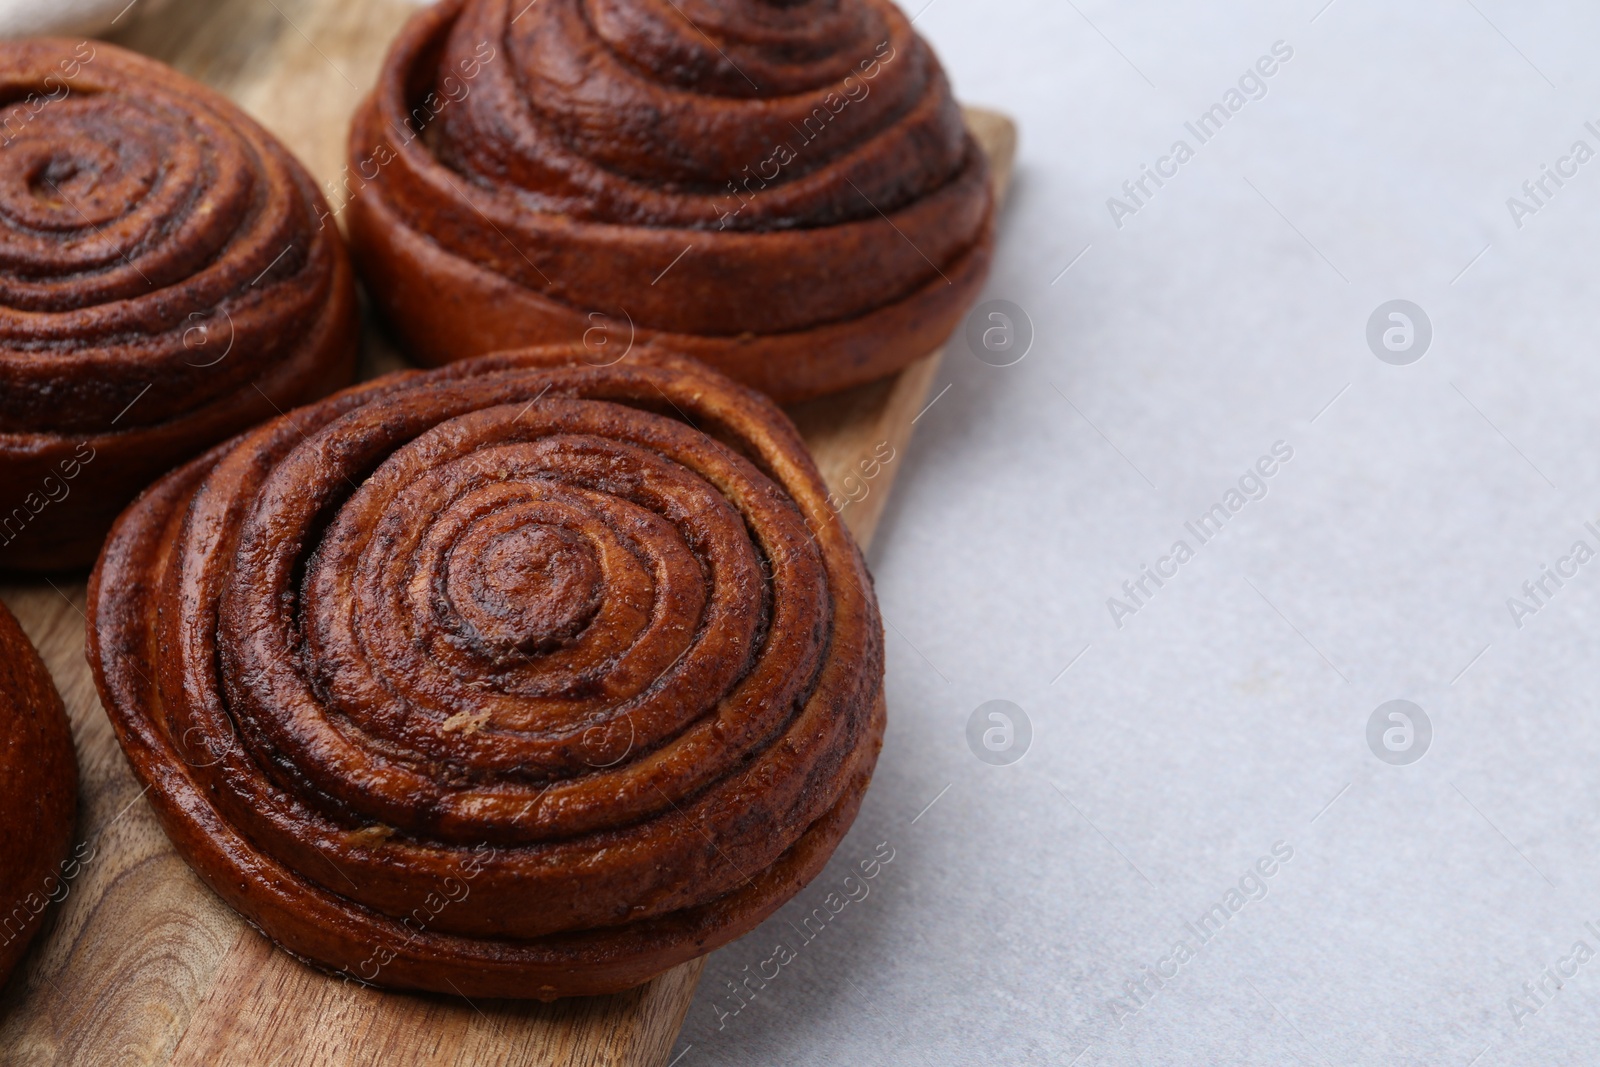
(1221, 719)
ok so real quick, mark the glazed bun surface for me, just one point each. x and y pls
(168, 278)
(787, 192)
(517, 678)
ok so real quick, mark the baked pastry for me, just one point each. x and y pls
(38, 793)
(168, 277)
(786, 191)
(516, 678)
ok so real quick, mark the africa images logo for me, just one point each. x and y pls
(1252, 85)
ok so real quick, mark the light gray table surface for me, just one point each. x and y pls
(1228, 715)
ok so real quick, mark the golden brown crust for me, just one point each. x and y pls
(519, 678)
(786, 192)
(168, 276)
(38, 793)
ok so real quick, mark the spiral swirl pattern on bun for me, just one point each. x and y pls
(38, 794)
(166, 280)
(518, 678)
(785, 190)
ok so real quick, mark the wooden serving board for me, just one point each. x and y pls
(141, 964)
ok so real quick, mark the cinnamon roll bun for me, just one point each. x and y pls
(516, 678)
(38, 793)
(786, 191)
(167, 278)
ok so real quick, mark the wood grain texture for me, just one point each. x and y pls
(141, 964)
